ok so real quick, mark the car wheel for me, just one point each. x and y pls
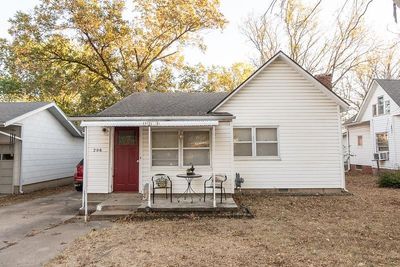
(78, 188)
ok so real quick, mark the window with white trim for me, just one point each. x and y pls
(242, 139)
(196, 148)
(165, 148)
(256, 142)
(387, 107)
(380, 105)
(359, 140)
(181, 148)
(382, 143)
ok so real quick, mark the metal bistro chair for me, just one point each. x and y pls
(219, 180)
(161, 181)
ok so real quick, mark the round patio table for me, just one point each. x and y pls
(189, 190)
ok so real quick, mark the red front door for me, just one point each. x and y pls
(126, 159)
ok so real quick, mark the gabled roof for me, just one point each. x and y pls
(144, 104)
(391, 87)
(343, 104)
(14, 112)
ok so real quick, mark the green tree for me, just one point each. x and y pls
(78, 52)
(214, 78)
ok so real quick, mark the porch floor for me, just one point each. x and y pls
(120, 205)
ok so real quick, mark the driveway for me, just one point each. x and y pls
(33, 232)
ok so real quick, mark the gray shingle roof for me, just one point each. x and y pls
(164, 104)
(11, 110)
(392, 88)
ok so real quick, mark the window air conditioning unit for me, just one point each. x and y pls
(376, 156)
(384, 156)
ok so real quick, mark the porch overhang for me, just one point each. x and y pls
(151, 123)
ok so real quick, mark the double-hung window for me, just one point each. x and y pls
(256, 142)
(387, 107)
(165, 148)
(242, 138)
(196, 148)
(180, 148)
(380, 104)
(382, 143)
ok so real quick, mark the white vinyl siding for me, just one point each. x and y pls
(49, 151)
(360, 155)
(98, 154)
(372, 100)
(309, 130)
(385, 123)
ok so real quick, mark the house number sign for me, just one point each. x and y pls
(151, 123)
(97, 149)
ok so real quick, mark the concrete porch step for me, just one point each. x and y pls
(119, 206)
(101, 215)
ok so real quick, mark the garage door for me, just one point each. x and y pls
(6, 168)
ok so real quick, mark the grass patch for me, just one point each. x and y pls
(357, 230)
(389, 179)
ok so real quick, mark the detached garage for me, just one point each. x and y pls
(39, 147)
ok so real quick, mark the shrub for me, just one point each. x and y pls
(389, 179)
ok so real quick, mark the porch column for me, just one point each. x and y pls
(150, 163)
(85, 178)
(212, 164)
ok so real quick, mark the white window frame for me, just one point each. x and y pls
(377, 145)
(195, 148)
(181, 148)
(383, 105)
(254, 143)
(164, 149)
(386, 106)
(360, 137)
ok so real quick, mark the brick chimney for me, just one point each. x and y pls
(325, 79)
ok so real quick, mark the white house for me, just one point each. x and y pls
(374, 134)
(280, 129)
(39, 146)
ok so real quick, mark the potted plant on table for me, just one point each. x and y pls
(190, 171)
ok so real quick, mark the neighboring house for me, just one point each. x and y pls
(39, 146)
(280, 129)
(374, 134)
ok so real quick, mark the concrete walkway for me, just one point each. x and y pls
(35, 231)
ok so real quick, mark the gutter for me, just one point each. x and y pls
(155, 118)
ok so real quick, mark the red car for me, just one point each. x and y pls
(78, 176)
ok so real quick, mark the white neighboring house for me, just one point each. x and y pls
(280, 129)
(374, 134)
(39, 146)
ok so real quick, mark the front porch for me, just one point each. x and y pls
(132, 205)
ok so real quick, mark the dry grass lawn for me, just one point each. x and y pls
(358, 230)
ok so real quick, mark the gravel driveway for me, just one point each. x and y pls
(33, 232)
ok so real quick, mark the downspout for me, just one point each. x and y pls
(395, 165)
(348, 149)
(21, 159)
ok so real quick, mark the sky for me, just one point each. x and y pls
(229, 46)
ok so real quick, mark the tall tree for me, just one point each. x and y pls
(98, 51)
(341, 49)
(213, 78)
